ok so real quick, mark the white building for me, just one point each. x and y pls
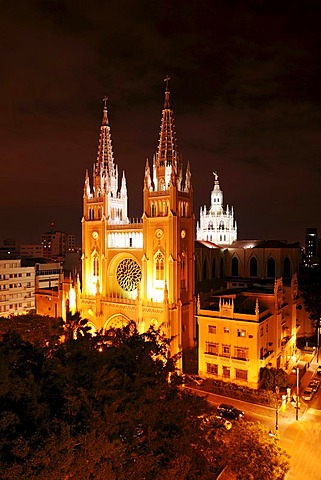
(217, 225)
(17, 288)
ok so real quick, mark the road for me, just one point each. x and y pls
(301, 439)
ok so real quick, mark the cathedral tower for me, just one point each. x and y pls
(217, 225)
(140, 271)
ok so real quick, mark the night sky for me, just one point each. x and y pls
(245, 90)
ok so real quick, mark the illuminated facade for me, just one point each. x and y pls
(17, 288)
(140, 271)
(217, 225)
(242, 331)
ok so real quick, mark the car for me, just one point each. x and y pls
(229, 411)
(315, 385)
(194, 379)
(319, 370)
(308, 394)
(216, 420)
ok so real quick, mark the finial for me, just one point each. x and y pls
(167, 79)
(105, 117)
(215, 176)
(166, 103)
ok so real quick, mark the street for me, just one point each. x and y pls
(301, 439)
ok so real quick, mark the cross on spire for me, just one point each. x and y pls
(105, 101)
(167, 79)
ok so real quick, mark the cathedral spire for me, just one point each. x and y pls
(104, 166)
(166, 163)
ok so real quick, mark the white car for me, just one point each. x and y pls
(308, 394)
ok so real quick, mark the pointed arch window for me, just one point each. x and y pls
(235, 267)
(152, 210)
(270, 268)
(159, 266)
(210, 225)
(221, 225)
(95, 265)
(213, 269)
(204, 270)
(253, 267)
(286, 268)
(183, 270)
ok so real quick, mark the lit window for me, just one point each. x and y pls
(212, 368)
(226, 329)
(241, 332)
(226, 372)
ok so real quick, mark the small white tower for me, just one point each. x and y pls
(217, 225)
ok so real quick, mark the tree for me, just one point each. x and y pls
(273, 377)
(311, 294)
(266, 460)
(106, 406)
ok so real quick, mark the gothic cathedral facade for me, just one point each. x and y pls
(141, 271)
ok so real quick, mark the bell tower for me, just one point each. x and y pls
(168, 232)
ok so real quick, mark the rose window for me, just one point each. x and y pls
(128, 274)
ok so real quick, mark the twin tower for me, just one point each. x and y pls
(140, 271)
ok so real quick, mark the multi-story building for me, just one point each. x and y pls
(216, 224)
(17, 288)
(31, 251)
(241, 331)
(311, 247)
(140, 271)
(56, 244)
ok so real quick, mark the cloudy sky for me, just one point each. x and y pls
(245, 90)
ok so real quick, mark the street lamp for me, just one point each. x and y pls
(296, 368)
(277, 408)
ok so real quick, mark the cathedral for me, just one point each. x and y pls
(140, 271)
(217, 225)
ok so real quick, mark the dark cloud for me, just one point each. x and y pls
(245, 92)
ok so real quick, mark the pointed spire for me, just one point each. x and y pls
(167, 156)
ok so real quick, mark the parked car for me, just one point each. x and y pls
(308, 394)
(228, 411)
(319, 370)
(315, 385)
(194, 379)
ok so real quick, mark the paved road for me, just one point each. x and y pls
(301, 439)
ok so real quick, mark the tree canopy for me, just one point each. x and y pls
(110, 406)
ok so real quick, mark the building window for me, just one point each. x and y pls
(261, 332)
(270, 268)
(226, 329)
(212, 348)
(267, 328)
(241, 374)
(212, 368)
(241, 332)
(235, 267)
(226, 372)
(226, 350)
(253, 267)
(242, 353)
(159, 266)
(212, 329)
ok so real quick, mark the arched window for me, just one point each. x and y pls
(235, 267)
(253, 267)
(204, 270)
(183, 270)
(152, 210)
(221, 268)
(95, 266)
(221, 225)
(213, 269)
(210, 225)
(286, 268)
(270, 268)
(159, 266)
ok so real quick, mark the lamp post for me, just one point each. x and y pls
(297, 393)
(277, 408)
